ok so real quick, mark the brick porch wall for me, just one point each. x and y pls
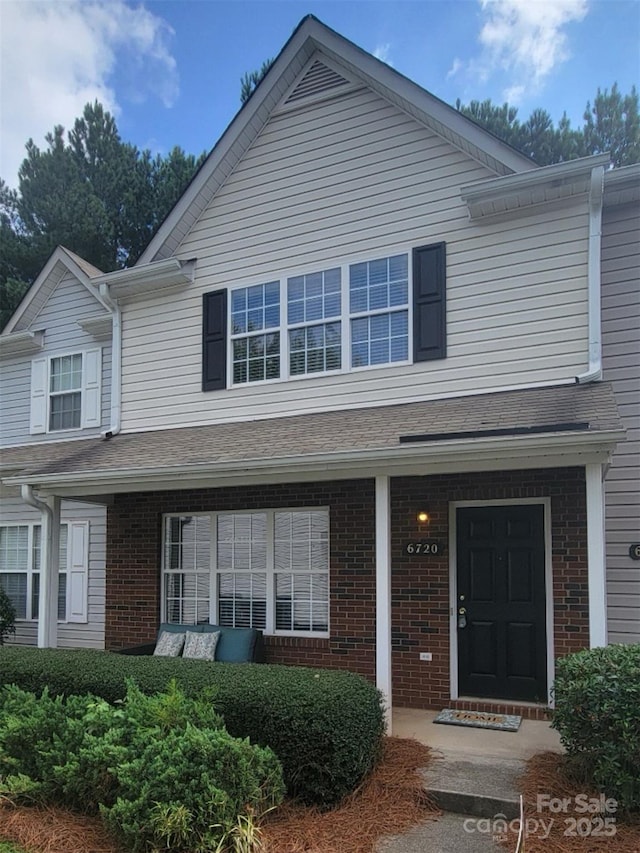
(134, 559)
(420, 586)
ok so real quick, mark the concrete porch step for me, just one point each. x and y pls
(480, 786)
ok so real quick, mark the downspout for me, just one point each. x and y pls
(596, 191)
(50, 527)
(116, 363)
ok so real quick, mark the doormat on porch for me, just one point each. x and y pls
(479, 719)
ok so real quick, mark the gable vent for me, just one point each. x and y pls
(318, 79)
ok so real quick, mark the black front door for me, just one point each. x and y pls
(502, 644)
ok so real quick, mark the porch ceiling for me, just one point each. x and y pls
(540, 427)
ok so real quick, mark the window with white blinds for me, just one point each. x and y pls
(20, 556)
(266, 569)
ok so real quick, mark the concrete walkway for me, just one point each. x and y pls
(474, 779)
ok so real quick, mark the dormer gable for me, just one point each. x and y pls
(61, 263)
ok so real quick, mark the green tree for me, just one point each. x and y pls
(249, 83)
(89, 191)
(611, 125)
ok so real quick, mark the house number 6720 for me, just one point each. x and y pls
(422, 548)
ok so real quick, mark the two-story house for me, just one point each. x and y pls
(55, 359)
(359, 404)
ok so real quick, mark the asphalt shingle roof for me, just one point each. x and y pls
(367, 429)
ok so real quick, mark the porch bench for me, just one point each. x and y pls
(235, 645)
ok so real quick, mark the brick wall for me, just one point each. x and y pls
(134, 559)
(420, 587)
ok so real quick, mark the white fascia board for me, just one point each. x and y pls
(148, 278)
(312, 36)
(20, 343)
(622, 186)
(422, 457)
(510, 186)
(437, 114)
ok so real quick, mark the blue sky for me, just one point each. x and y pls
(170, 71)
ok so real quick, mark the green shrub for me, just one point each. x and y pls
(597, 713)
(325, 726)
(162, 769)
(7, 616)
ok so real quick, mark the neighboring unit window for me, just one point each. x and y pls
(379, 307)
(20, 555)
(255, 332)
(65, 392)
(267, 570)
(314, 346)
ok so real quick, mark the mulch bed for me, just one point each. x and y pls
(390, 801)
(567, 831)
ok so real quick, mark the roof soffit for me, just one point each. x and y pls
(361, 69)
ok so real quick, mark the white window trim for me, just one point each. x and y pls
(269, 629)
(90, 416)
(345, 317)
(30, 572)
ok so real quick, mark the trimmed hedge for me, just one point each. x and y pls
(597, 713)
(325, 726)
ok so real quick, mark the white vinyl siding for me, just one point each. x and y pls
(345, 181)
(266, 569)
(621, 363)
(65, 308)
(89, 523)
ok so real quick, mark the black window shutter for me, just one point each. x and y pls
(214, 340)
(429, 302)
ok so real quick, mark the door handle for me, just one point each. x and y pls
(462, 617)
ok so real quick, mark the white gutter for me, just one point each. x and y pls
(503, 447)
(596, 192)
(559, 172)
(116, 362)
(49, 568)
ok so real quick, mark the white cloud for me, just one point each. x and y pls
(383, 53)
(57, 56)
(456, 66)
(525, 39)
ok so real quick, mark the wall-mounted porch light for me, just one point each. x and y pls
(423, 516)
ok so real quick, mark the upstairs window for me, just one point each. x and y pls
(255, 325)
(314, 306)
(66, 392)
(379, 306)
(379, 311)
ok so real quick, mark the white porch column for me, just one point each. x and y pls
(49, 573)
(383, 594)
(596, 556)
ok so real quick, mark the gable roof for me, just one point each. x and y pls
(345, 62)
(60, 262)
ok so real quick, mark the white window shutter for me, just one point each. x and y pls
(77, 571)
(38, 417)
(91, 388)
